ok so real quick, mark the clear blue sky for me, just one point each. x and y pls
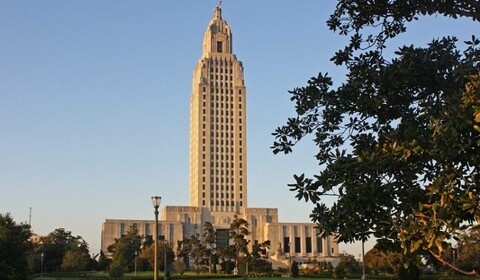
(94, 102)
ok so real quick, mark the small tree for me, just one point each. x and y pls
(259, 262)
(238, 232)
(383, 259)
(55, 246)
(350, 264)
(75, 260)
(227, 254)
(124, 249)
(208, 239)
(14, 248)
(103, 262)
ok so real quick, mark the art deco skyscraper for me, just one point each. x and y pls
(218, 168)
(218, 158)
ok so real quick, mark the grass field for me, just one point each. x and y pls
(144, 275)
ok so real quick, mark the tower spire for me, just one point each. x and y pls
(217, 12)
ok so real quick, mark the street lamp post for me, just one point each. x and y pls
(165, 260)
(41, 264)
(246, 266)
(363, 259)
(290, 259)
(156, 203)
(136, 254)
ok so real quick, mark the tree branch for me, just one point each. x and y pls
(444, 262)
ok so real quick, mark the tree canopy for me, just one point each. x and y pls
(125, 249)
(14, 248)
(61, 246)
(399, 141)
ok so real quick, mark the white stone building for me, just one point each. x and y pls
(218, 166)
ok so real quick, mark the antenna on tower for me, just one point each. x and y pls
(30, 217)
(220, 3)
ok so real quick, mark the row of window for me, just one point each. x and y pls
(296, 246)
(296, 230)
(226, 135)
(218, 93)
(221, 92)
(221, 85)
(214, 101)
(221, 172)
(221, 157)
(223, 203)
(220, 195)
(221, 142)
(223, 164)
(147, 228)
(222, 69)
(220, 106)
(220, 112)
(221, 126)
(217, 187)
(227, 77)
(220, 180)
(221, 149)
(222, 134)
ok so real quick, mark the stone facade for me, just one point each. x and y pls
(218, 165)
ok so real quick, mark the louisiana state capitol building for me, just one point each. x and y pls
(218, 167)
(218, 157)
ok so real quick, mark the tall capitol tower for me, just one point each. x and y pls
(218, 169)
(218, 138)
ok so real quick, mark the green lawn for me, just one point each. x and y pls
(146, 275)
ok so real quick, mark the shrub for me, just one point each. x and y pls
(340, 271)
(115, 271)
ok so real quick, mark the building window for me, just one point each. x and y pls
(286, 245)
(147, 230)
(219, 47)
(308, 244)
(122, 229)
(222, 238)
(297, 244)
(319, 245)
